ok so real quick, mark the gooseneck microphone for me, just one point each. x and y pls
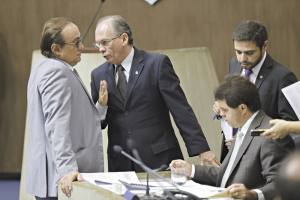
(119, 149)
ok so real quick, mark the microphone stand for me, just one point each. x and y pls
(148, 170)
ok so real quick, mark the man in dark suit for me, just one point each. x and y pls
(250, 167)
(143, 88)
(250, 41)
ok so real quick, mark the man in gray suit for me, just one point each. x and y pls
(63, 123)
(250, 167)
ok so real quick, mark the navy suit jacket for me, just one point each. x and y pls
(153, 91)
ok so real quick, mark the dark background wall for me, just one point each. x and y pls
(166, 25)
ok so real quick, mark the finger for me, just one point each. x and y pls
(68, 190)
(79, 177)
(63, 189)
(216, 163)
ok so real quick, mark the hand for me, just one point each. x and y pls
(239, 191)
(216, 108)
(278, 130)
(103, 93)
(65, 182)
(181, 167)
(229, 142)
(209, 158)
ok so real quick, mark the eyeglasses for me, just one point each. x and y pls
(105, 42)
(76, 43)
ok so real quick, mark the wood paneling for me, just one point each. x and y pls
(167, 25)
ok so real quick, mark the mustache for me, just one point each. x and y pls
(246, 63)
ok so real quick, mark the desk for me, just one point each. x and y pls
(88, 191)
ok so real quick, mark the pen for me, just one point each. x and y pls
(99, 182)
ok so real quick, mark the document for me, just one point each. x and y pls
(205, 191)
(227, 129)
(110, 180)
(292, 94)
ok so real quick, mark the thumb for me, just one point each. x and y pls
(79, 177)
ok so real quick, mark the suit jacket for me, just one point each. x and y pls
(153, 91)
(63, 126)
(256, 163)
(271, 78)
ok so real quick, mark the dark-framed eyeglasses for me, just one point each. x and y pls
(76, 43)
(105, 42)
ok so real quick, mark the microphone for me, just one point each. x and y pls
(93, 20)
(119, 149)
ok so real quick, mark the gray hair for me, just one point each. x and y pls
(119, 25)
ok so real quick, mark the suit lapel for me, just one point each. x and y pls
(246, 142)
(83, 86)
(135, 72)
(264, 71)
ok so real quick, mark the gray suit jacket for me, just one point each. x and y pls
(63, 126)
(256, 163)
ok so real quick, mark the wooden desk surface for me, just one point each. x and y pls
(88, 191)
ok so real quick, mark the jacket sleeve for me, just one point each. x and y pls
(56, 94)
(183, 115)
(206, 174)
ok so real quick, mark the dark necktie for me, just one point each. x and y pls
(122, 82)
(248, 72)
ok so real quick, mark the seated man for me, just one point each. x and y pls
(249, 169)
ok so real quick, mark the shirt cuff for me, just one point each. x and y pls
(102, 110)
(260, 195)
(193, 171)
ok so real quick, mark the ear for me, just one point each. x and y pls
(243, 107)
(56, 49)
(125, 39)
(264, 47)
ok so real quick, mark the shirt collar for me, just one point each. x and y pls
(256, 68)
(246, 126)
(126, 63)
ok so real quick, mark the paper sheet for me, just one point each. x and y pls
(292, 94)
(227, 129)
(112, 180)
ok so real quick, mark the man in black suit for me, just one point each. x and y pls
(143, 88)
(250, 168)
(250, 41)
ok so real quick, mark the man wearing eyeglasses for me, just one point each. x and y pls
(143, 88)
(63, 122)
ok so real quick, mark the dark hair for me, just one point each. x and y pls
(237, 90)
(251, 31)
(119, 25)
(52, 34)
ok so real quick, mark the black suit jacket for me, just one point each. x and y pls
(256, 164)
(153, 91)
(271, 78)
